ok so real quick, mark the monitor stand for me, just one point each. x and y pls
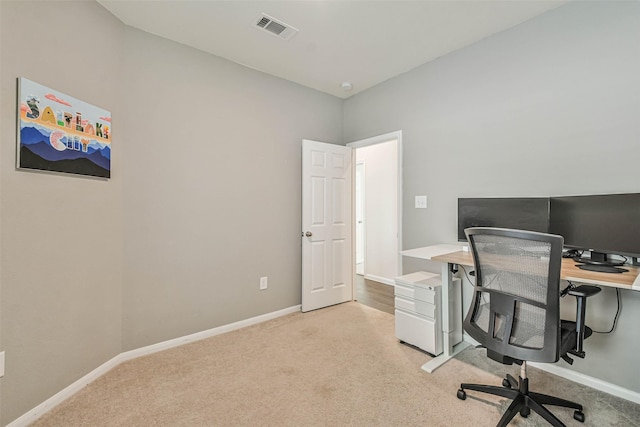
(598, 258)
(601, 268)
(600, 262)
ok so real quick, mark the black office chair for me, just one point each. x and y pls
(515, 313)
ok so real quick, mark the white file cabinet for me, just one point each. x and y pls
(418, 311)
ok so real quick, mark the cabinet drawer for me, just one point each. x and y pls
(422, 293)
(416, 306)
(419, 331)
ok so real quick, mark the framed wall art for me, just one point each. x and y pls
(59, 133)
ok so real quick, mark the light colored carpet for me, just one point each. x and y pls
(332, 367)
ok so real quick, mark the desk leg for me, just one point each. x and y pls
(448, 350)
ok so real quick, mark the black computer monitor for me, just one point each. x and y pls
(602, 224)
(525, 213)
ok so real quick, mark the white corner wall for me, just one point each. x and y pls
(381, 210)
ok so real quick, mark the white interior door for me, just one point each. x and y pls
(327, 276)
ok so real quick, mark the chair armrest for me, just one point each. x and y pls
(584, 291)
(581, 293)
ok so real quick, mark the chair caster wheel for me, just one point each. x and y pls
(524, 412)
(579, 415)
(462, 395)
(506, 383)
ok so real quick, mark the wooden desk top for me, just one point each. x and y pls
(628, 280)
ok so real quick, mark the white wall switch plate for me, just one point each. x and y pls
(263, 283)
(421, 202)
(1, 364)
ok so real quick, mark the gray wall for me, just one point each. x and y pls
(549, 107)
(204, 198)
(61, 263)
(212, 195)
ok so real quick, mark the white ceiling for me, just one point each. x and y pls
(362, 42)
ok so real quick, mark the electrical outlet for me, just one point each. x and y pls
(1, 364)
(421, 202)
(263, 283)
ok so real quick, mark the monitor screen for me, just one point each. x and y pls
(527, 213)
(608, 224)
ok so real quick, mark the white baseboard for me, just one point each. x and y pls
(592, 382)
(165, 345)
(72, 389)
(64, 394)
(379, 279)
(579, 378)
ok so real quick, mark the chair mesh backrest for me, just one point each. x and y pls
(515, 310)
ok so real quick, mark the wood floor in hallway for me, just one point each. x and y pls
(374, 294)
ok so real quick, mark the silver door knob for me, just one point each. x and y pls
(308, 234)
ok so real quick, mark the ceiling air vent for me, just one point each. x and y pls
(275, 27)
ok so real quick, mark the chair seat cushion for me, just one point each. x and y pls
(568, 339)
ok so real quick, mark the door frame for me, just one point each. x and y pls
(397, 135)
(362, 191)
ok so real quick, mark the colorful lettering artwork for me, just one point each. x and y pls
(59, 133)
